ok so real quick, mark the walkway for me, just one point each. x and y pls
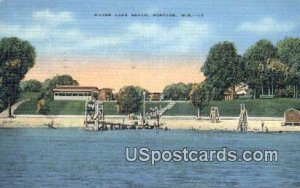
(4, 114)
(168, 107)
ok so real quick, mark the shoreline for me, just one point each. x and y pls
(273, 124)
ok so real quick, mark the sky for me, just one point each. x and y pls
(74, 37)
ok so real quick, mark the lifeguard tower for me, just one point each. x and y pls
(94, 114)
(153, 116)
(214, 115)
(243, 120)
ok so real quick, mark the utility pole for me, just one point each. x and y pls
(144, 95)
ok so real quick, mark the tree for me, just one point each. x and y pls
(200, 96)
(256, 58)
(289, 53)
(141, 91)
(223, 67)
(16, 58)
(31, 86)
(275, 74)
(179, 91)
(50, 84)
(43, 107)
(129, 100)
(294, 79)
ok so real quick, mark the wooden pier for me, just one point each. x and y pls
(94, 119)
(105, 125)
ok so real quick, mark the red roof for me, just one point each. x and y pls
(109, 89)
(75, 88)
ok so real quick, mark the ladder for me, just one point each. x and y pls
(243, 119)
(214, 115)
(94, 113)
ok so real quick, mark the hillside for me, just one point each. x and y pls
(258, 107)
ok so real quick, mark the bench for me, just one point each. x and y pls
(245, 97)
(266, 96)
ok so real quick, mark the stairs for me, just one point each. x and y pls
(166, 108)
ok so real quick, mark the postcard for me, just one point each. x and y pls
(147, 93)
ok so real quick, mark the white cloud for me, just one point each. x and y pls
(49, 29)
(267, 25)
(104, 41)
(44, 24)
(53, 17)
(183, 37)
(34, 32)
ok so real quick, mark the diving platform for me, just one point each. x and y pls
(95, 121)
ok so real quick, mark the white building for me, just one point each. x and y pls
(67, 92)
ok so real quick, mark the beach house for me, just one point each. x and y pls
(67, 92)
(106, 94)
(155, 96)
(292, 117)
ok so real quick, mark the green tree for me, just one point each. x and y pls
(223, 67)
(294, 79)
(179, 91)
(43, 107)
(141, 91)
(289, 53)
(256, 58)
(276, 75)
(50, 84)
(169, 92)
(31, 86)
(16, 58)
(200, 96)
(129, 100)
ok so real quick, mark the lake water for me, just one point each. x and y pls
(76, 158)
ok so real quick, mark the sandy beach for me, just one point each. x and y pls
(184, 122)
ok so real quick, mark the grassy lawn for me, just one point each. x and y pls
(67, 107)
(28, 107)
(111, 108)
(181, 109)
(76, 107)
(56, 107)
(258, 107)
(28, 95)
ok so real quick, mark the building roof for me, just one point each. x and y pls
(75, 88)
(292, 109)
(240, 89)
(109, 89)
(155, 93)
(292, 116)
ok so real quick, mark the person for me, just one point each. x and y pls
(262, 126)
(267, 130)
